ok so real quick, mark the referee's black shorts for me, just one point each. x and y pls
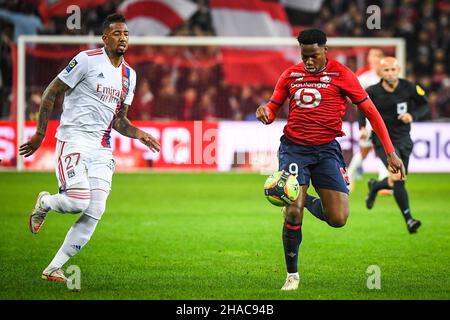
(402, 149)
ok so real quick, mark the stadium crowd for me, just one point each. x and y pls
(171, 92)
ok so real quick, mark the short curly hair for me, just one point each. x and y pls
(312, 36)
(112, 18)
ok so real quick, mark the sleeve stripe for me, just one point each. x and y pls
(359, 102)
(278, 104)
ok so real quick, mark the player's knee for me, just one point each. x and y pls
(77, 203)
(293, 213)
(99, 195)
(96, 209)
(337, 222)
(338, 219)
(77, 198)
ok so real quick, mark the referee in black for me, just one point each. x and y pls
(399, 102)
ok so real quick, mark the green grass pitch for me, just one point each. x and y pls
(214, 236)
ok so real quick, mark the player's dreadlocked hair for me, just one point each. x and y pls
(312, 36)
(112, 18)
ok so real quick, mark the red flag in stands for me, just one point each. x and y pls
(252, 18)
(156, 17)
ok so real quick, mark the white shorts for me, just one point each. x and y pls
(76, 164)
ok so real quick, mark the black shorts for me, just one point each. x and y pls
(324, 165)
(403, 150)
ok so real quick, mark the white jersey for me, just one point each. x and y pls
(98, 91)
(368, 78)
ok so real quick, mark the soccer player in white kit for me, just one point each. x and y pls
(99, 87)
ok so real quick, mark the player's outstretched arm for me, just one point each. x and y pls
(123, 126)
(55, 88)
(370, 112)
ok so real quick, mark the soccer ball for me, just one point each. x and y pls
(281, 188)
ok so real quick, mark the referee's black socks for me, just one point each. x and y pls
(401, 197)
(382, 184)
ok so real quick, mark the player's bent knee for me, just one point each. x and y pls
(96, 209)
(99, 194)
(337, 222)
(76, 204)
(76, 197)
(81, 205)
(338, 219)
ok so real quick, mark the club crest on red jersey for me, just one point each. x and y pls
(326, 79)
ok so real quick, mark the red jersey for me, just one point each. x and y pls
(317, 101)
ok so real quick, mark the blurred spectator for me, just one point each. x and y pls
(207, 110)
(248, 103)
(443, 99)
(143, 102)
(190, 99)
(438, 76)
(33, 105)
(25, 22)
(167, 103)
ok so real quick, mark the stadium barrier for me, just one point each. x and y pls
(221, 146)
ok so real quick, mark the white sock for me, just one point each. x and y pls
(78, 235)
(70, 202)
(354, 164)
(296, 275)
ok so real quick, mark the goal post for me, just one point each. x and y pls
(398, 44)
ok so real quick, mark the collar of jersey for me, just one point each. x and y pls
(109, 61)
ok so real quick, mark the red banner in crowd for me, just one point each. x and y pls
(253, 67)
(190, 145)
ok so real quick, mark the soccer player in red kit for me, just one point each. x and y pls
(317, 89)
